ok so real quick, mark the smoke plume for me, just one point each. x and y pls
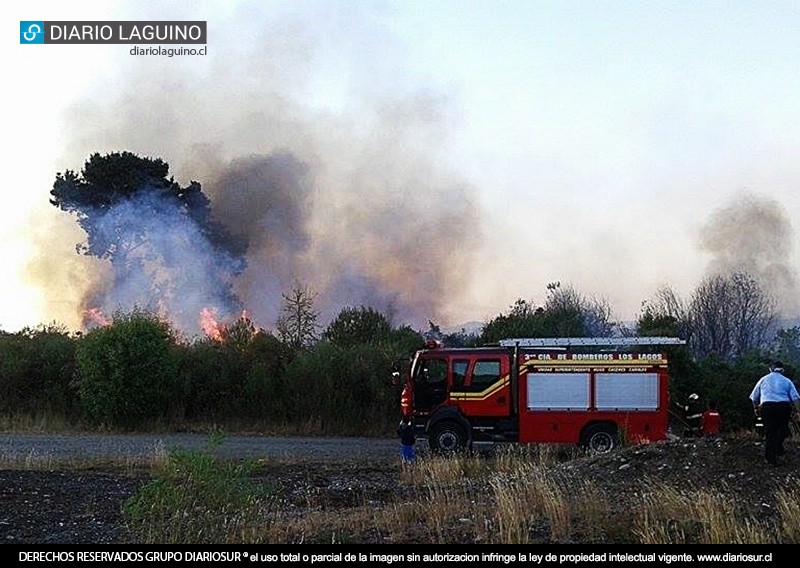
(753, 234)
(347, 198)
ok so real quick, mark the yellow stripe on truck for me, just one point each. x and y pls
(484, 394)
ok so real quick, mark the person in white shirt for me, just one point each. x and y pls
(773, 397)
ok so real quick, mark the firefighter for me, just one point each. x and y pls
(693, 414)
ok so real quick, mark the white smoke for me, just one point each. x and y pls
(163, 263)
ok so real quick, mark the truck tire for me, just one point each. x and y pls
(600, 438)
(447, 438)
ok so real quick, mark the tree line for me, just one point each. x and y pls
(138, 373)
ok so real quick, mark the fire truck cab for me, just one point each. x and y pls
(596, 392)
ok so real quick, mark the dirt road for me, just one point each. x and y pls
(98, 446)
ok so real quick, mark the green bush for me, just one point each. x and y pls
(266, 358)
(729, 383)
(346, 389)
(127, 371)
(36, 371)
(357, 326)
(194, 498)
(13, 372)
(211, 375)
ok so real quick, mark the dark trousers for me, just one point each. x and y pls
(775, 416)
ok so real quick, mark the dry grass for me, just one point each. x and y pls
(44, 422)
(788, 499)
(518, 499)
(515, 496)
(31, 460)
(36, 461)
(525, 497)
(670, 515)
(590, 513)
(447, 490)
(514, 499)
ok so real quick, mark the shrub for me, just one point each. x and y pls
(195, 498)
(36, 370)
(347, 389)
(127, 370)
(211, 374)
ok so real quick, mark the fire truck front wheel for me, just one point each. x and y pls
(447, 437)
(600, 438)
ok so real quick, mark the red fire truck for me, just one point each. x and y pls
(596, 392)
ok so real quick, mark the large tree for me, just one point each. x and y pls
(158, 236)
(106, 181)
(731, 315)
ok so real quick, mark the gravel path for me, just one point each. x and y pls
(97, 446)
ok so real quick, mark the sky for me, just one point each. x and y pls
(436, 159)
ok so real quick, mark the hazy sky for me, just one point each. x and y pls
(460, 155)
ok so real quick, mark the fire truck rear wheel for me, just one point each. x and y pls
(447, 438)
(600, 438)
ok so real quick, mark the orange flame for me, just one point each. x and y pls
(210, 326)
(94, 317)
